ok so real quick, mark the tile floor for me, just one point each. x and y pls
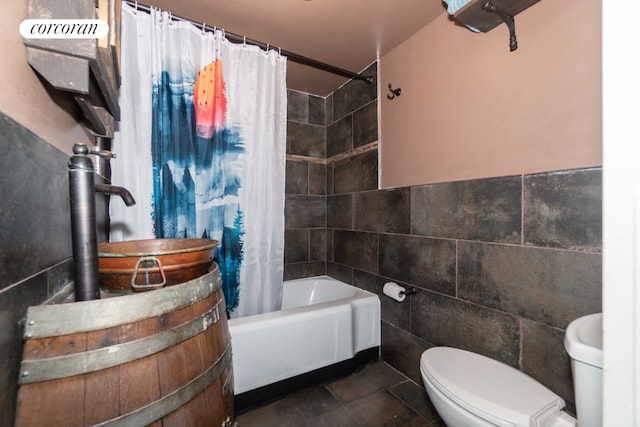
(374, 395)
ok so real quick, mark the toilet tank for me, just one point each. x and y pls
(583, 342)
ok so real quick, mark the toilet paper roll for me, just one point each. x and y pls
(394, 291)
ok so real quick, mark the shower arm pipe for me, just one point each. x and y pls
(299, 59)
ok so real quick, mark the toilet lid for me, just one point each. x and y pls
(490, 389)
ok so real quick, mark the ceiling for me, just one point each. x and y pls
(349, 34)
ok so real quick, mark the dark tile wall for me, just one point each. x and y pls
(35, 241)
(501, 265)
(500, 268)
(321, 150)
(33, 180)
(306, 186)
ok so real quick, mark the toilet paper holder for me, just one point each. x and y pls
(397, 292)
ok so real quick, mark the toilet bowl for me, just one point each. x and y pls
(471, 390)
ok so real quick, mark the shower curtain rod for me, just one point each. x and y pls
(241, 39)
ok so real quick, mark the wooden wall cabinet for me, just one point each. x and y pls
(87, 68)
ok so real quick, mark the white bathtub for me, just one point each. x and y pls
(322, 322)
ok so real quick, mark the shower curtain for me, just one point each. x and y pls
(201, 145)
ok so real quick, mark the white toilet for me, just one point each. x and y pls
(471, 390)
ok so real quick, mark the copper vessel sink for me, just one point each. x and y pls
(141, 265)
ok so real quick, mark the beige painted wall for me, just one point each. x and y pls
(24, 97)
(471, 109)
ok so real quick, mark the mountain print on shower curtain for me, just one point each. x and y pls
(196, 160)
(202, 147)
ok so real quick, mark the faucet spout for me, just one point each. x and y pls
(111, 190)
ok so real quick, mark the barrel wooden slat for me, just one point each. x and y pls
(221, 391)
(201, 307)
(207, 358)
(139, 384)
(58, 399)
(102, 386)
(54, 346)
(190, 414)
(140, 329)
(181, 383)
(177, 317)
(215, 392)
(177, 366)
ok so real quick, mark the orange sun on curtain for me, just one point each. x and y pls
(210, 99)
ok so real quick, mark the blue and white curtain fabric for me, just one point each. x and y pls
(201, 145)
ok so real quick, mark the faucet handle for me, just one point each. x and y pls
(105, 154)
(82, 149)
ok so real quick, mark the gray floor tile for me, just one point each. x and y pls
(368, 379)
(416, 398)
(375, 395)
(291, 410)
(384, 409)
(340, 417)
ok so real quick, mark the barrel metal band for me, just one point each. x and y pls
(174, 400)
(55, 320)
(51, 368)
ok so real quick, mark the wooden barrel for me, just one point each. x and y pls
(160, 358)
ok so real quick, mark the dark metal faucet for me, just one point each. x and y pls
(82, 189)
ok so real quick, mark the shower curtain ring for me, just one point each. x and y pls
(203, 27)
(244, 41)
(135, 8)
